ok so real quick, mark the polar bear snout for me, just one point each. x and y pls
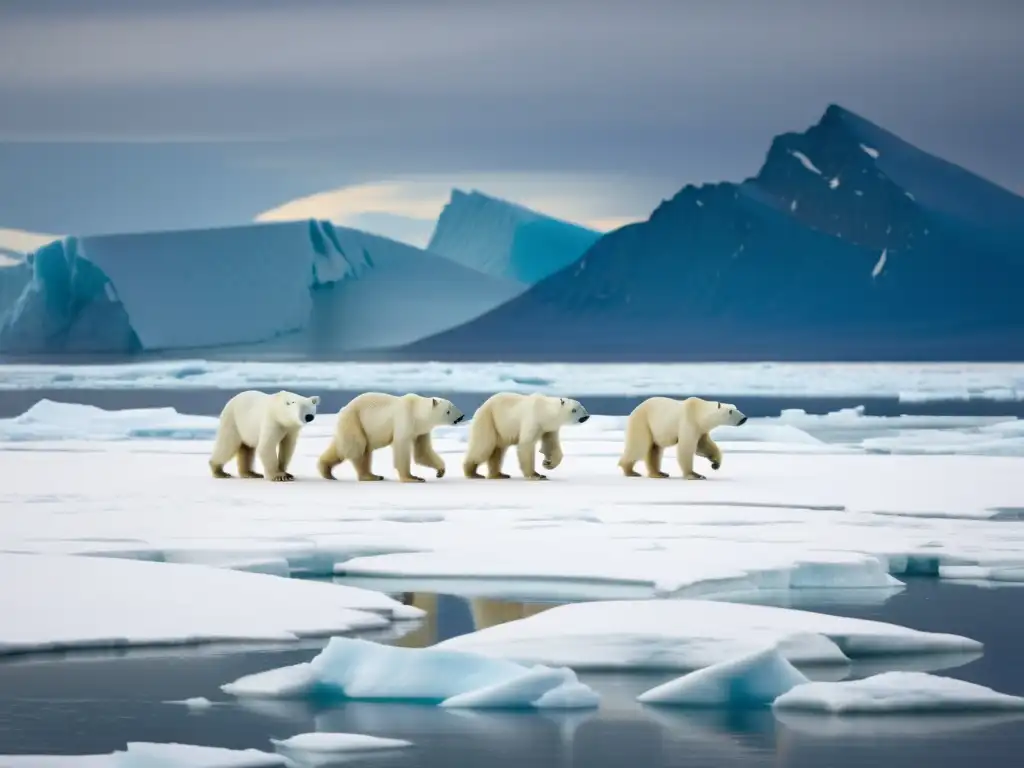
(742, 421)
(584, 417)
(459, 418)
(308, 417)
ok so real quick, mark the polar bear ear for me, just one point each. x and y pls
(435, 401)
(561, 400)
(315, 399)
(719, 406)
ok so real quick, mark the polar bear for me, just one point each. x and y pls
(258, 424)
(660, 422)
(376, 420)
(508, 419)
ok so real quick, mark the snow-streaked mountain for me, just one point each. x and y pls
(849, 243)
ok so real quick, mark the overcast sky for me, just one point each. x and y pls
(680, 90)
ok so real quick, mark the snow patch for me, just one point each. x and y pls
(805, 161)
(880, 264)
(870, 151)
(833, 183)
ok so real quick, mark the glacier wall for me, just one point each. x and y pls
(289, 286)
(503, 239)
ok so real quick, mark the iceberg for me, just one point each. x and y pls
(150, 755)
(897, 692)
(755, 680)
(786, 266)
(67, 602)
(692, 634)
(506, 240)
(358, 669)
(301, 288)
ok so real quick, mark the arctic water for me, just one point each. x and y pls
(91, 704)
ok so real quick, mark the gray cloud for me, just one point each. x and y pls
(690, 89)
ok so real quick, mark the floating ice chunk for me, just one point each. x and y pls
(755, 680)
(1009, 572)
(49, 420)
(358, 669)
(320, 742)
(805, 161)
(107, 602)
(833, 183)
(542, 686)
(880, 264)
(148, 755)
(691, 634)
(870, 151)
(897, 692)
(197, 703)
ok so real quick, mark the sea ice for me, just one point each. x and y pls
(358, 669)
(149, 755)
(917, 382)
(897, 692)
(691, 634)
(755, 680)
(90, 602)
(49, 420)
(320, 742)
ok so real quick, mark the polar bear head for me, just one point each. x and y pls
(440, 412)
(723, 414)
(294, 410)
(571, 411)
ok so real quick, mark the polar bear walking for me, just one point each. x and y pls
(508, 419)
(375, 420)
(257, 424)
(660, 422)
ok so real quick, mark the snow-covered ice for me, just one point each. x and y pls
(897, 692)
(692, 634)
(915, 382)
(805, 161)
(63, 602)
(357, 669)
(150, 755)
(754, 680)
(870, 151)
(319, 742)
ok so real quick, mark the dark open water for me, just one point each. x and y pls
(95, 705)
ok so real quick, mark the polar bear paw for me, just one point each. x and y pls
(281, 477)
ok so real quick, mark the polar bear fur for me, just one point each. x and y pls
(258, 424)
(375, 420)
(660, 422)
(508, 419)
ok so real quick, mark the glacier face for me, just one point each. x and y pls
(504, 239)
(849, 243)
(291, 287)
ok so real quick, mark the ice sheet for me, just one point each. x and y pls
(897, 692)
(63, 602)
(150, 755)
(767, 523)
(906, 381)
(692, 634)
(356, 669)
(754, 680)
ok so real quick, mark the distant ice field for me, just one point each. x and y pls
(909, 383)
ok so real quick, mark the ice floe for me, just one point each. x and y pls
(897, 692)
(63, 602)
(319, 743)
(692, 634)
(150, 755)
(357, 669)
(754, 680)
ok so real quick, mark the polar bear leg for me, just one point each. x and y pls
(526, 450)
(685, 451)
(638, 442)
(270, 437)
(401, 451)
(551, 450)
(653, 461)
(227, 445)
(482, 445)
(364, 466)
(424, 455)
(709, 449)
(285, 451)
(494, 462)
(328, 460)
(244, 458)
